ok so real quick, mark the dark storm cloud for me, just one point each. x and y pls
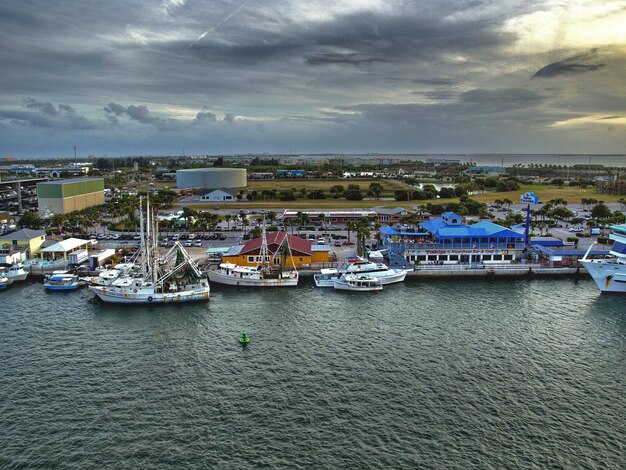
(572, 65)
(277, 76)
(434, 81)
(47, 115)
(350, 59)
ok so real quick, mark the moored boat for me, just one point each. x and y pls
(609, 273)
(358, 283)
(361, 266)
(4, 281)
(271, 269)
(17, 273)
(62, 280)
(173, 278)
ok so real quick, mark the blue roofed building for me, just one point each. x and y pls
(449, 240)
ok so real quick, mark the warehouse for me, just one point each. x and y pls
(63, 196)
(211, 178)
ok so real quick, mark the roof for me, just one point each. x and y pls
(274, 240)
(394, 211)
(546, 241)
(218, 249)
(23, 234)
(481, 229)
(65, 245)
(232, 192)
(72, 180)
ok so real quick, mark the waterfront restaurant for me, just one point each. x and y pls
(448, 240)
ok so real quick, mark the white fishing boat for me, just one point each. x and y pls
(361, 266)
(609, 273)
(358, 283)
(17, 273)
(266, 273)
(62, 280)
(172, 278)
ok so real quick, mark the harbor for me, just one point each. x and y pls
(444, 373)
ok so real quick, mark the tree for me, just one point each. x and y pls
(30, 220)
(600, 211)
(271, 215)
(227, 218)
(376, 189)
(337, 190)
(353, 193)
(350, 227)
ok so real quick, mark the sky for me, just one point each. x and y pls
(154, 77)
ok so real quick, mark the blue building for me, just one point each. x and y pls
(448, 240)
(290, 173)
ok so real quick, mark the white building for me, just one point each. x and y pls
(220, 195)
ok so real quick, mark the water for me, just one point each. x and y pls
(485, 374)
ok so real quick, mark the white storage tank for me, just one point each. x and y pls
(211, 178)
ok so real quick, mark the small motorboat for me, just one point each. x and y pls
(358, 283)
(244, 338)
(62, 280)
(4, 281)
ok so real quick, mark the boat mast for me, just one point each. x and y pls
(143, 240)
(264, 250)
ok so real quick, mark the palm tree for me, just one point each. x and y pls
(227, 218)
(350, 227)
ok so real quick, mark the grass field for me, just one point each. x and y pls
(570, 193)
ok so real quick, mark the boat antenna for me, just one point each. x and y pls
(142, 238)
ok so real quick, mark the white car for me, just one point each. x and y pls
(576, 229)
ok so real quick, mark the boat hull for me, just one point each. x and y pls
(150, 298)
(349, 288)
(247, 282)
(59, 288)
(17, 277)
(608, 276)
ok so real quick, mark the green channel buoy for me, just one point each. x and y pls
(244, 338)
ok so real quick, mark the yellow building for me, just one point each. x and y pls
(303, 252)
(63, 196)
(25, 238)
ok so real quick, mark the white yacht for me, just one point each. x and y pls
(610, 273)
(266, 273)
(108, 276)
(358, 283)
(17, 273)
(174, 277)
(361, 266)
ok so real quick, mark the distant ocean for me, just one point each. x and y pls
(506, 160)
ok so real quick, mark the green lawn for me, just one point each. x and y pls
(571, 194)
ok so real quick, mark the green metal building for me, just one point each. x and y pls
(63, 196)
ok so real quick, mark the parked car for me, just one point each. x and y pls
(188, 243)
(197, 243)
(337, 243)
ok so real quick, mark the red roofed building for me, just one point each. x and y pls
(303, 252)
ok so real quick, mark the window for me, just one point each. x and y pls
(250, 259)
(432, 257)
(420, 257)
(276, 260)
(508, 257)
(454, 257)
(497, 257)
(486, 257)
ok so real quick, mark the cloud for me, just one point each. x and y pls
(46, 108)
(47, 115)
(205, 116)
(350, 59)
(572, 65)
(139, 113)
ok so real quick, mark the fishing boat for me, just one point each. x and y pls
(17, 273)
(609, 273)
(61, 280)
(172, 278)
(266, 273)
(361, 266)
(358, 283)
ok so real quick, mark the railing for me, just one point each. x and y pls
(458, 246)
(475, 266)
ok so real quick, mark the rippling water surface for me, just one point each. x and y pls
(500, 374)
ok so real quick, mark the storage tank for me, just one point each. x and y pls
(211, 178)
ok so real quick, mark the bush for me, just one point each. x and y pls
(573, 239)
(603, 240)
